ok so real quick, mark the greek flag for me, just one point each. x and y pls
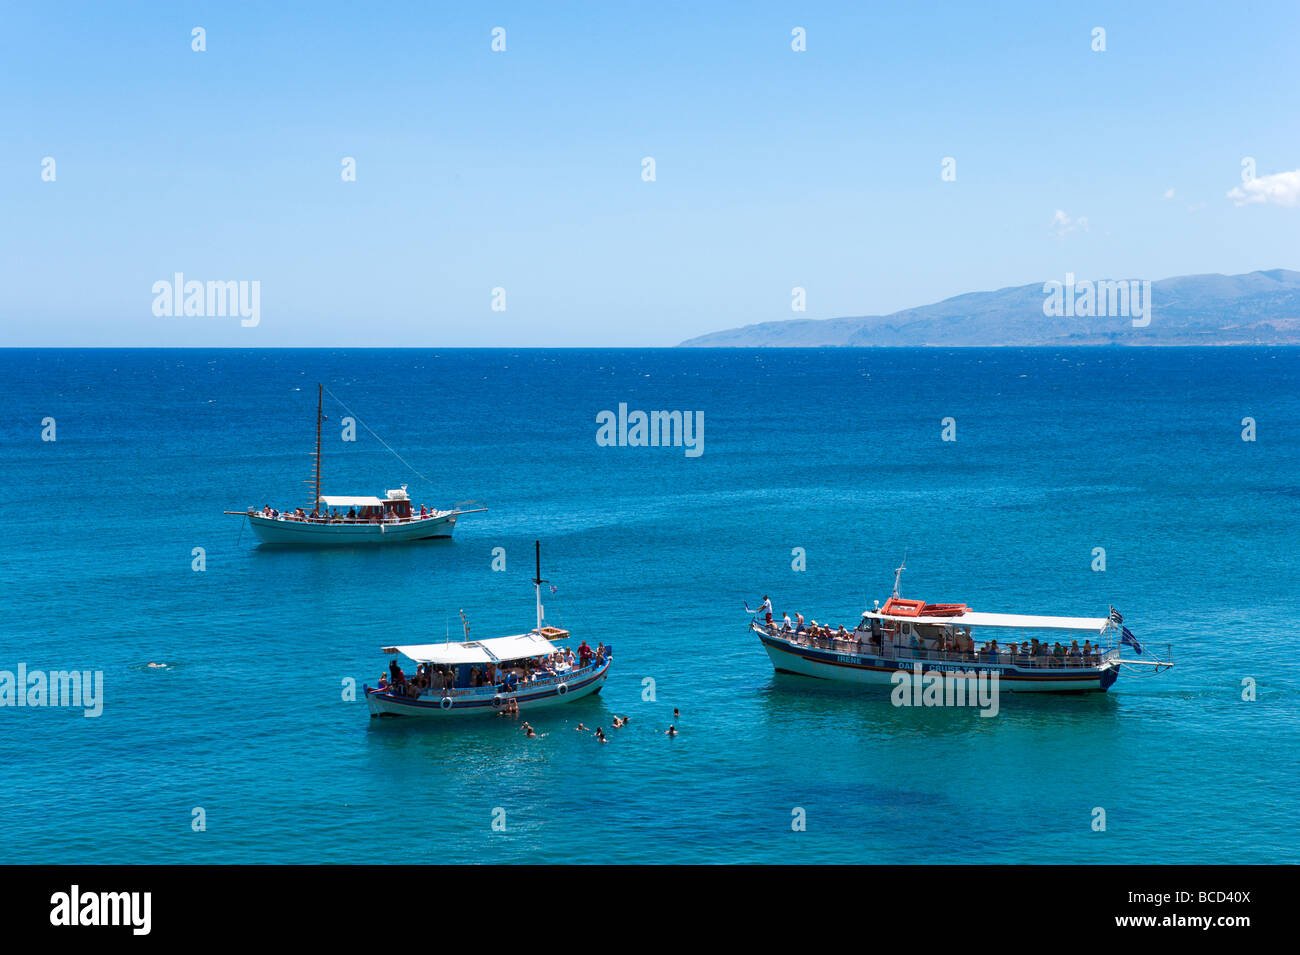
(1130, 639)
(1115, 617)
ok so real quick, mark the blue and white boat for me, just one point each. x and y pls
(1029, 653)
(526, 671)
(349, 520)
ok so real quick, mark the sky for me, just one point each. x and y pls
(523, 169)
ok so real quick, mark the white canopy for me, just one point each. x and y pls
(1008, 620)
(330, 500)
(497, 650)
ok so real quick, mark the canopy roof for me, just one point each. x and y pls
(333, 500)
(1016, 621)
(497, 650)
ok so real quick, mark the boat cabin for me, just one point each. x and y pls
(396, 507)
(913, 628)
(503, 662)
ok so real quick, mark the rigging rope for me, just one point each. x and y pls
(379, 439)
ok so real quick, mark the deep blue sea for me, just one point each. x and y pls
(838, 452)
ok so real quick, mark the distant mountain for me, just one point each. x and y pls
(1255, 308)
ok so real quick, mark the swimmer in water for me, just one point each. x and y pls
(526, 726)
(671, 731)
(617, 722)
(600, 735)
(581, 728)
(676, 715)
(530, 734)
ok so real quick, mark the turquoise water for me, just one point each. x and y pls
(834, 451)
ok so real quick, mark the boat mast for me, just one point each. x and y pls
(320, 388)
(898, 574)
(537, 585)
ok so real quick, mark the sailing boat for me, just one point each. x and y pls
(342, 519)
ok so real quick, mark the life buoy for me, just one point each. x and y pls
(562, 689)
(498, 700)
(446, 703)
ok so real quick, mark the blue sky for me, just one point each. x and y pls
(522, 169)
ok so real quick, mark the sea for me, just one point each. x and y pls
(1163, 482)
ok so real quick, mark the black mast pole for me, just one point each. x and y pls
(320, 388)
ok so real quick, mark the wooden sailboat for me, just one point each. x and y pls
(341, 519)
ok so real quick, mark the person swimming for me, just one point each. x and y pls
(600, 735)
(617, 723)
(676, 715)
(581, 728)
(671, 731)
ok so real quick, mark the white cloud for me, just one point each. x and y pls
(1169, 193)
(1062, 223)
(1281, 189)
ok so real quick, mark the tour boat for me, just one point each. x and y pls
(951, 639)
(331, 519)
(518, 670)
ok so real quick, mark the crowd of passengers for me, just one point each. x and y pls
(368, 515)
(957, 645)
(436, 678)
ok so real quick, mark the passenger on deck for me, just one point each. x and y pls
(1088, 651)
(424, 512)
(395, 674)
(766, 610)
(584, 653)
(798, 622)
(786, 626)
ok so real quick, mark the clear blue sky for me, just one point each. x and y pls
(522, 169)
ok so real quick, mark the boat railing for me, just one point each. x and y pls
(459, 692)
(413, 519)
(860, 642)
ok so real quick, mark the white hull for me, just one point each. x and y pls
(874, 669)
(489, 702)
(270, 530)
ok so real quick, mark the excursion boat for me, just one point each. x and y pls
(349, 520)
(519, 671)
(952, 639)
